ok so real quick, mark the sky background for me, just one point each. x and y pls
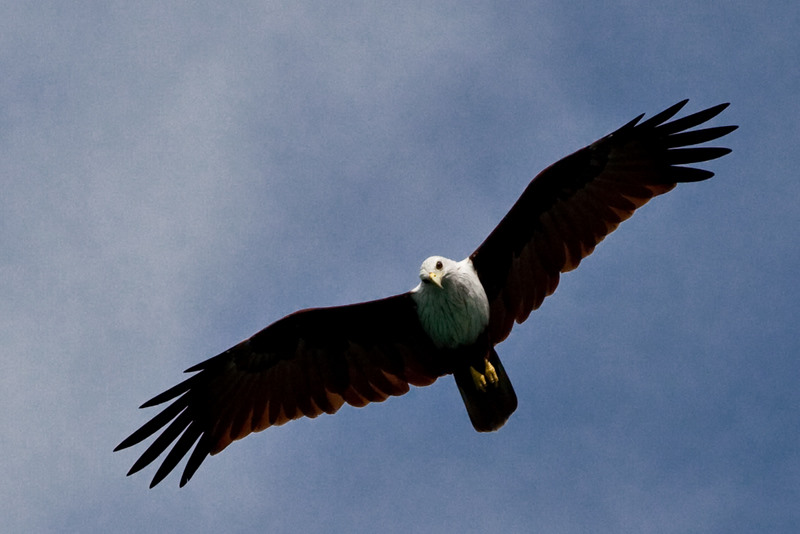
(176, 176)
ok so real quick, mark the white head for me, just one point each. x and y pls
(435, 269)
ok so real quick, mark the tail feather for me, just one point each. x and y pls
(488, 410)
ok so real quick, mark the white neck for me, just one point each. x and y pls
(456, 313)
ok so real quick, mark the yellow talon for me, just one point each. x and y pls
(491, 374)
(479, 379)
(482, 380)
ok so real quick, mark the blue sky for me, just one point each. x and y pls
(177, 176)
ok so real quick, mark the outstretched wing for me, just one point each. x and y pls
(573, 204)
(307, 363)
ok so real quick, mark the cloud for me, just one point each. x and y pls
(177, 177)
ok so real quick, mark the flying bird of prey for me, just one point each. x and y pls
(315, 360)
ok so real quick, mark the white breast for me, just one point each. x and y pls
(458, 312)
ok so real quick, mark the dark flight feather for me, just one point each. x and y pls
(573, 204)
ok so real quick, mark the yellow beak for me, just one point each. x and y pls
(433, 277)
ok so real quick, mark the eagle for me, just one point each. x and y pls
(313, 361)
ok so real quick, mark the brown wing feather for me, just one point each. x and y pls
(308, 363)
(573, 204)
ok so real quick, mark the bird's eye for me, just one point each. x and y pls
(438, 265)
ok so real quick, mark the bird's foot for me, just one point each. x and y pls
(491, 374)
(481, 380)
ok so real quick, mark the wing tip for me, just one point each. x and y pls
(713, 111)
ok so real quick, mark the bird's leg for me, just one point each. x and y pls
(481, 380)
(491, 374)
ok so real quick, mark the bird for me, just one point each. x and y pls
(315, 360)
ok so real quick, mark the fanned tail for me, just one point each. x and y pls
(488, 410)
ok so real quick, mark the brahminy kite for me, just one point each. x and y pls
(315, 360)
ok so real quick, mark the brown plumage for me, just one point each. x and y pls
(313, 361)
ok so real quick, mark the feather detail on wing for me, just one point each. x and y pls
(308, 363)
(573, 204)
